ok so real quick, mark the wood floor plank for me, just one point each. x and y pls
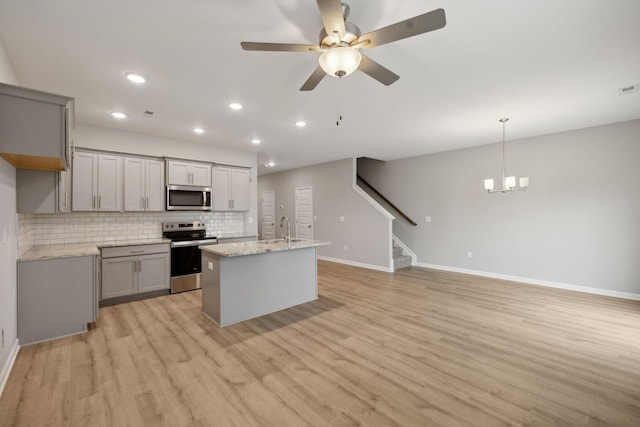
(412, 348)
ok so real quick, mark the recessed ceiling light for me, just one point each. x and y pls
(235, 106)
(269, 165)
(198, 130)
(301, 124)
(118, 115)
(255, 141)
(136, 78)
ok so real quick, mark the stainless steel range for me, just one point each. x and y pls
(186, 261)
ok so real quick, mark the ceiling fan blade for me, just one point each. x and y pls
(331, 14)
(279, 47)
(314, 79)
(377, 71)
(420, 24)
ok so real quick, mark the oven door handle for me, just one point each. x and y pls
(182, 244)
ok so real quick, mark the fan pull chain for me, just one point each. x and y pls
(338, 103)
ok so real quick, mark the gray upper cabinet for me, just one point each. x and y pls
(43, 191)
(230, 189)
(97, 182)
(143, 184)
(188, 173)
(35, 128)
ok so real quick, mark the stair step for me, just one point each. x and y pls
(401, 261)
(397, 251)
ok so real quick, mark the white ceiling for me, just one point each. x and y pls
(548, 65)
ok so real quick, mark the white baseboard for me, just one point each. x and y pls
(6, 369)
(356, 264)
(536, 282)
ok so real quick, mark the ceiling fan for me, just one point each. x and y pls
(341, 41)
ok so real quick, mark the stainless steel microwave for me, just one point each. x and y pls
(188, 198)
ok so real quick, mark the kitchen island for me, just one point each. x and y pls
(241, 281)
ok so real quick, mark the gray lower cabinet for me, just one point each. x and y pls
(131, 272)
(56, 297)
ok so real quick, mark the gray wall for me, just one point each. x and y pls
(127, 142)
(577, 224)
(8, 250)
(365, 231)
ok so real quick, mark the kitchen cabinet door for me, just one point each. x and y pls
(85, 181)
(221, 183)
(119, 277)
(201, 174)
(134, 183)
(178, 173)
(230, 189)
(153, 272)
(154, 185)
(240, 189)
(143, 184)
(64, 191)
(188, 173)
(109, 183)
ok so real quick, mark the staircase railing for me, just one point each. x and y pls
(387, 201)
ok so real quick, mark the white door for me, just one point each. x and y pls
(268, 215)
(304, 213)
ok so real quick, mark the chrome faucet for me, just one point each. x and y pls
(287, 237)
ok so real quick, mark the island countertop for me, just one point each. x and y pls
(260, 247)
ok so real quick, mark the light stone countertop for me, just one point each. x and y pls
(40, 252)
(260, 247)
(236, 236)
(69, 250)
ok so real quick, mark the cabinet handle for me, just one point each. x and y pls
(142, 202)
(93, 205)
(99, 202)
(65, 199)
(147, 199)
(139, 265)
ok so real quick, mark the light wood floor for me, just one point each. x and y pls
(414, 348)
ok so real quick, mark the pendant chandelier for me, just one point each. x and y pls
(508, 182)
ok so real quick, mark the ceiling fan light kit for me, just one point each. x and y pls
(340, 61)
(340, 42)
(508, 182)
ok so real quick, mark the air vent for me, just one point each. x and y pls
(148, 113)
(626, 90)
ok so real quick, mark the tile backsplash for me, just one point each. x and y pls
(97, 227)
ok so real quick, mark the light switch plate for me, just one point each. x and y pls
(341, 219)
(209, 265)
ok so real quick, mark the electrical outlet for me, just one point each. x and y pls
(341, 219)
(250, 220)
(209, 265)
(346, 248)
(469, 255)
(427, 219)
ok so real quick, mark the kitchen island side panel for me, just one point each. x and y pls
(254, 285)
